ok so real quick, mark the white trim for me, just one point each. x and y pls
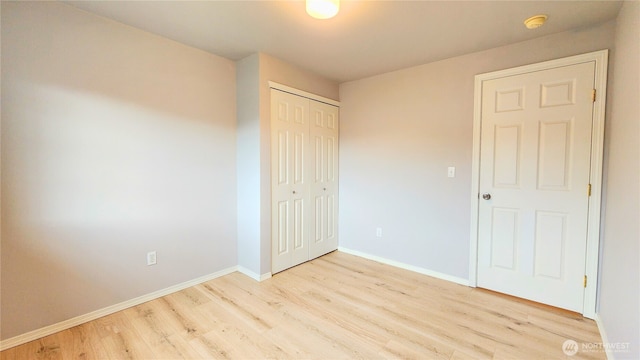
(255, 276)
(266, 276)
(595, 200)
(603, 335)
(475, 183)
(308, 95)
(417, 269)
(597, 150)
(78, 320)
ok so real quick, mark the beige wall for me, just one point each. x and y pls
(115, 142)
(398, 134)
(620, 265)
(248, 158)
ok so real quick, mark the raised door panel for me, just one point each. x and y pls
(555, 154)
(507, 156)
(505, 238)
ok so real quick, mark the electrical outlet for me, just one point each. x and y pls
(451, 171)
(379, 232)
(151, 258)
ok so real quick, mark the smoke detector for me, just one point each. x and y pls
(535, 21)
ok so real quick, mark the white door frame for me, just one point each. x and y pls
(595, 175)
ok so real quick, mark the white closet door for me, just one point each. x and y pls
(289, 177)
(324, 178)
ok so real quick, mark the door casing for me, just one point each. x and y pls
(597, 151)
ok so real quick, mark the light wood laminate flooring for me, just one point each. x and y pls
(338, 306)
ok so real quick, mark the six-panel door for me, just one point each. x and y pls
(534, 176)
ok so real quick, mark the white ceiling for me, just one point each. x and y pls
(364, 39)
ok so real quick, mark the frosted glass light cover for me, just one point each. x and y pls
(323, 9)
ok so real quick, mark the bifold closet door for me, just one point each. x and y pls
(324, 178)
(304, 179)
(289, 180)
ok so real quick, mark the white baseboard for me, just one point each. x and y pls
(78, 320)
(253, 275)
(401, 265)
(603, 335)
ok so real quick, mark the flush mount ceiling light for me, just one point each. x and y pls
(535, 22)
(323, 9)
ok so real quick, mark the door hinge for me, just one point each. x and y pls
(593, 95)
(584, 282)
(589, 190)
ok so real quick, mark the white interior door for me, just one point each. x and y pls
(324, 176)
(534, 173)
(290, 184)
